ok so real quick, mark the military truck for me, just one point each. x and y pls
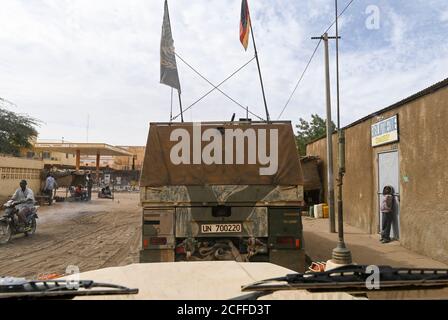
(222, 191)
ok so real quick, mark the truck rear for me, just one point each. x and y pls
(222, 191)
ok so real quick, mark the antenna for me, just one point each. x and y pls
(88, 128)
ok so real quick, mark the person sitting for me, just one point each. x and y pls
(80, 193)
(24, 200)
(105, 193)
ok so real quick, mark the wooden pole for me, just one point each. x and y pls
(78, 160)
(98, 159)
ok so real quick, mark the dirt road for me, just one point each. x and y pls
(99, 234)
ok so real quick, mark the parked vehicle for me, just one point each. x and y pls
(197, 210)
(9, 224)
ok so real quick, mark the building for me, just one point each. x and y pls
(13, 170)
(131, 163)
(105, 162)
(122, 163)
(50, 158)
(131, 159)
(405, 146)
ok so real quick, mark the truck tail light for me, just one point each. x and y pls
(180, 250)
(286, 241)
(289, 241)
(145, 243)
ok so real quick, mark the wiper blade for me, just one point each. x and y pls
(354, 278)
(14, 288)
(253, 296)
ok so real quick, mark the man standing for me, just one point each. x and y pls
(89, 185)
(50, 186)
(387, 210)
(24, 201)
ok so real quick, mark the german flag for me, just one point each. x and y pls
(245, 25)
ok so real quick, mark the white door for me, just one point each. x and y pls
(389, 175)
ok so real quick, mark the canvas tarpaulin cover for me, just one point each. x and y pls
(159, 170)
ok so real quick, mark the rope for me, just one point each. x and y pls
(216, 87)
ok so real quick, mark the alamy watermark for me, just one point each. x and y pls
(373, 282)
(73, 277)
(226, 147)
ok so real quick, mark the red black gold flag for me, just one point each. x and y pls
(245, 24)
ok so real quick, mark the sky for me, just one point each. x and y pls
(78, 64)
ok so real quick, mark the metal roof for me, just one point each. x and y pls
(90, 149)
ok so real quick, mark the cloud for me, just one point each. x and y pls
(444, 16)
(62, 60)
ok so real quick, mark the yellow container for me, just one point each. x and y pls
(326, 210)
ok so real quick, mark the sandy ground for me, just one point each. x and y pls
(100, 234)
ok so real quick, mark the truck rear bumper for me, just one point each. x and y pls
(291, 259)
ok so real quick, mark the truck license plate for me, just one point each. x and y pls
(222, 228)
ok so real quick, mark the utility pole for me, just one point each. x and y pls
(330, 194)
(341, 255)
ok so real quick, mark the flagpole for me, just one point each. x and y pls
(259, 72)
(171, 111)
(181, 107)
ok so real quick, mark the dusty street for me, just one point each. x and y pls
(103, 233)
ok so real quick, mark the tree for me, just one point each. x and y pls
(310, 131)
(16, 132)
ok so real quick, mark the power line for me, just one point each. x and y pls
(342, 12)
(311, 59)
(217, 87)
(300, 80)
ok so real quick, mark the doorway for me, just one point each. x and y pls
(389, 175)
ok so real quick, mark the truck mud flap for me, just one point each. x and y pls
(158, 236)
(156, 255)
(294, 260)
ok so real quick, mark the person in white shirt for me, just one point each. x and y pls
(24, 200)
(50, 186)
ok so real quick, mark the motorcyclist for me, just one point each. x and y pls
(24, 201)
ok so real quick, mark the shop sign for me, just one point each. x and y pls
(385, 132)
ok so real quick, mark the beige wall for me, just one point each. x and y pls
(13, 170)
(423, 160)
(126, 162)
(55, 159)
(62, 159)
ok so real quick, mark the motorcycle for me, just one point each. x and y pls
(10, 225)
